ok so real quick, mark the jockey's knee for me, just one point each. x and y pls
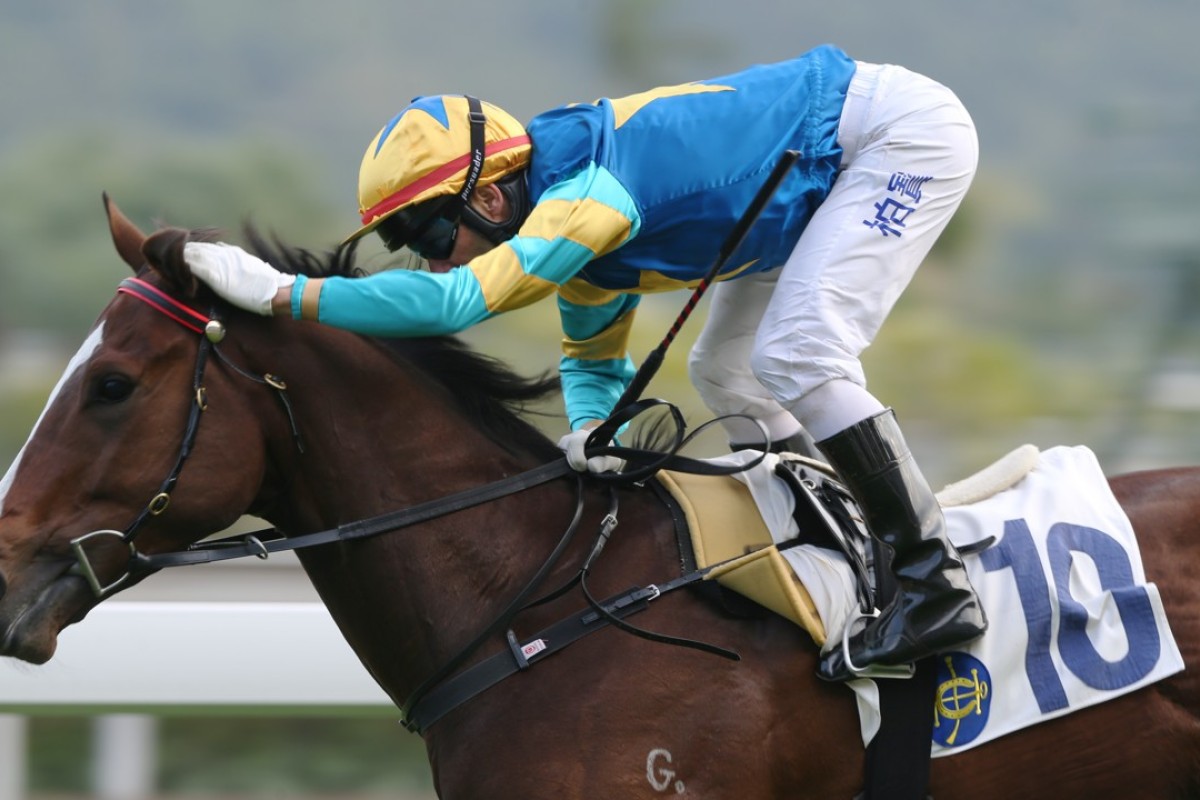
(709, 375)
(824, 390)
(773, 367)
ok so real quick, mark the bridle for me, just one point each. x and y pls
(451, 689)
(212, 331)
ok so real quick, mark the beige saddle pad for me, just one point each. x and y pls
(726, 526)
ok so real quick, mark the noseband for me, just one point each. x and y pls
(211, 331)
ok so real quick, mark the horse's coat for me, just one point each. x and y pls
(612, 716)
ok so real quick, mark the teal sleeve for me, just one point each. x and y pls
(592, 385)
(400, 303)
(592, 388)
(297, 295)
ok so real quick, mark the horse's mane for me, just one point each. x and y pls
(488, 393)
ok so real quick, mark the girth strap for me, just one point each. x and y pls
(455, 691)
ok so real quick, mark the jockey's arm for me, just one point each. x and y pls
(573, 222)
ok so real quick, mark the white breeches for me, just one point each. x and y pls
(784, 346)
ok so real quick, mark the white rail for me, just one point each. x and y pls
(128, 661)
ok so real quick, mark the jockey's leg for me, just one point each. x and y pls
(719, 367)
(909, 154)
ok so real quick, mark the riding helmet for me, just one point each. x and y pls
(425, 153)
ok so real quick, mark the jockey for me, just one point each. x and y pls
(603, 202)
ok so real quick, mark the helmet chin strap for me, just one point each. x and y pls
(513, 187)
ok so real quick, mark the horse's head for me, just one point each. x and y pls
(117, 434)
(126, 462)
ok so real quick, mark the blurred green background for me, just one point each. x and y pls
(1060, 307)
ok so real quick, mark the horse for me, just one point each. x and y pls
(156, 430)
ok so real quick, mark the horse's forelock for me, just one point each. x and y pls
(163, 251)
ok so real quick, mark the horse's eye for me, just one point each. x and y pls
(111, 389)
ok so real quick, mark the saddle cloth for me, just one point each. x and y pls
(1072, 620)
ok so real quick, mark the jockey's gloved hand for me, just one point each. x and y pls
(572, 444)
(244, 280)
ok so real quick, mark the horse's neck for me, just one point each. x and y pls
(374, 438)
(380, 446)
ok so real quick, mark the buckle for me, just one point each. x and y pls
(83, 566)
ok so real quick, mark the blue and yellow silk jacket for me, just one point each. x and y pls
(631, 195)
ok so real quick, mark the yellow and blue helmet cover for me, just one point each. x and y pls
(425, 152)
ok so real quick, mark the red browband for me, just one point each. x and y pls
(156, 298)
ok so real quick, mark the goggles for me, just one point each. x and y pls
(435, 240)
(422, 229)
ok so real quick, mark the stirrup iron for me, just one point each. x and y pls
(871, 671)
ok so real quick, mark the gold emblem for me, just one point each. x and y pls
(958, 698)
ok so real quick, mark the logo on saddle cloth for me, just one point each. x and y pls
(963, 700)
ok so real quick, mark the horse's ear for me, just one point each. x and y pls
(163, 252)
(126, 236)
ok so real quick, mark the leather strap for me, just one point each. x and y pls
(452, 693)
(898, 758)
(263, 542)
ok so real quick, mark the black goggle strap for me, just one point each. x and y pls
(477, 119)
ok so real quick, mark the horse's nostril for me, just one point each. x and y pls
(3, 585)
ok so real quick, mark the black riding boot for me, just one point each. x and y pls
(934, 607)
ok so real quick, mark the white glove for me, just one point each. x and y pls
(244, 280)
(572, 445)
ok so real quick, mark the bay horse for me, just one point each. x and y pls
(312, 429)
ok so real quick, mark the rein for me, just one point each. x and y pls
(261, 544)
(268, 540)
(444, 689)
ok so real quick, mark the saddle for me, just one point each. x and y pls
(727, 529)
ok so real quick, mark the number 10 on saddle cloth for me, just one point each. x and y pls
(1072, 620)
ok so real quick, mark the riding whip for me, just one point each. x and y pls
(740, 229)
